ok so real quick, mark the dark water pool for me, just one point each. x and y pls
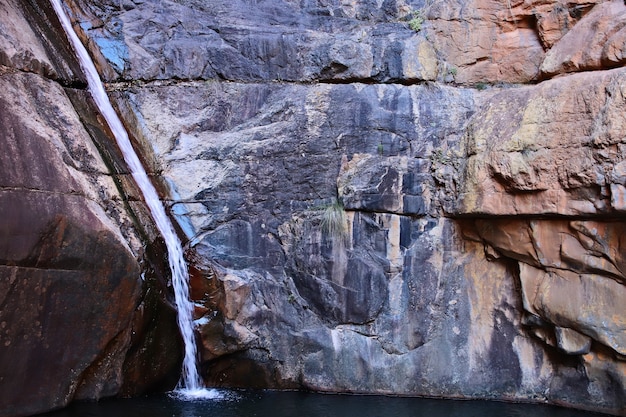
(301, 404)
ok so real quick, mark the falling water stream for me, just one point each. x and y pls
(190, 382)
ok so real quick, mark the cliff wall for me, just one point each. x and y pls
(407, 197)
(83, 305)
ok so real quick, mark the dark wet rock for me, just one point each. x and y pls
(80, 294)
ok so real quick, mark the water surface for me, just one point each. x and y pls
(302, 404)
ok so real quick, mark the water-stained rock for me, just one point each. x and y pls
(75, 309)
(395, 289)
(32, 40)
(288, 41)
(375, 204)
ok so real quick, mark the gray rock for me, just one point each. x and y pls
(284, 41)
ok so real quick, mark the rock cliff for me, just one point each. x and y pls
(76, 318)
(407, 197)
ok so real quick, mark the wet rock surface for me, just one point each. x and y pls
(74, 309)
(416, 198)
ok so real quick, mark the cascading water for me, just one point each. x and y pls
(190, 382)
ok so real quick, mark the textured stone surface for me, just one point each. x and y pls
(596, 42)
(551, 149)
(570, 272)
(285, 41)
(31, 41)
(372, 208)
(397, 291)
(468, 42)
(436, 277)
(486, 41)
(74, 308)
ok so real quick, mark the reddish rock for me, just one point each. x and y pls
(486, 41)
(76, 316)
(596, 42)
(519, 140)
(70, 280)
(572, 283)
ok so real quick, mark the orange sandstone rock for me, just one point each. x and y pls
(596, 42)
(548, 149)
(494, 41)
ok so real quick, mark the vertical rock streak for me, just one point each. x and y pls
(190, 380)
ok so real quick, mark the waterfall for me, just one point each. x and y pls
(190, 382)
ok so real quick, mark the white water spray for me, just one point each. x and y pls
(190, 384)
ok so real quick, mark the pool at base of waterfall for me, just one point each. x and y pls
(248, 403)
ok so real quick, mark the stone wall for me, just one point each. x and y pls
(427, 210)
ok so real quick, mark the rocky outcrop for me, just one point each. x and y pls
(76, 317)
(373, 200)
(558, 151)
(474, 42)
(397, 288)
(416, 198)
(518, 142)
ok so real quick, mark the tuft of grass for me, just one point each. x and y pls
(416, 21)
(334, 222)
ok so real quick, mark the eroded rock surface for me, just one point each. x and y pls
(552, 149)
(471, 42)
(74, 310)
(436, 214)
(383, 206)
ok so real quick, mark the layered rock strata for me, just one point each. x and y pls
(406, 197)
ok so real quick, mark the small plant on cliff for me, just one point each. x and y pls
(480, 86)
(440, 156)
(334, 221)
(417, 18)
(417, 21)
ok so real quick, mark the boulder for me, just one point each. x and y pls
(596, 42)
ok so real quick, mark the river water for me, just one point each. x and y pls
(302, 404)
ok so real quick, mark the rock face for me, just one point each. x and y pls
(516, 153)
(75, 313)
(407, 197)
(374, 208)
